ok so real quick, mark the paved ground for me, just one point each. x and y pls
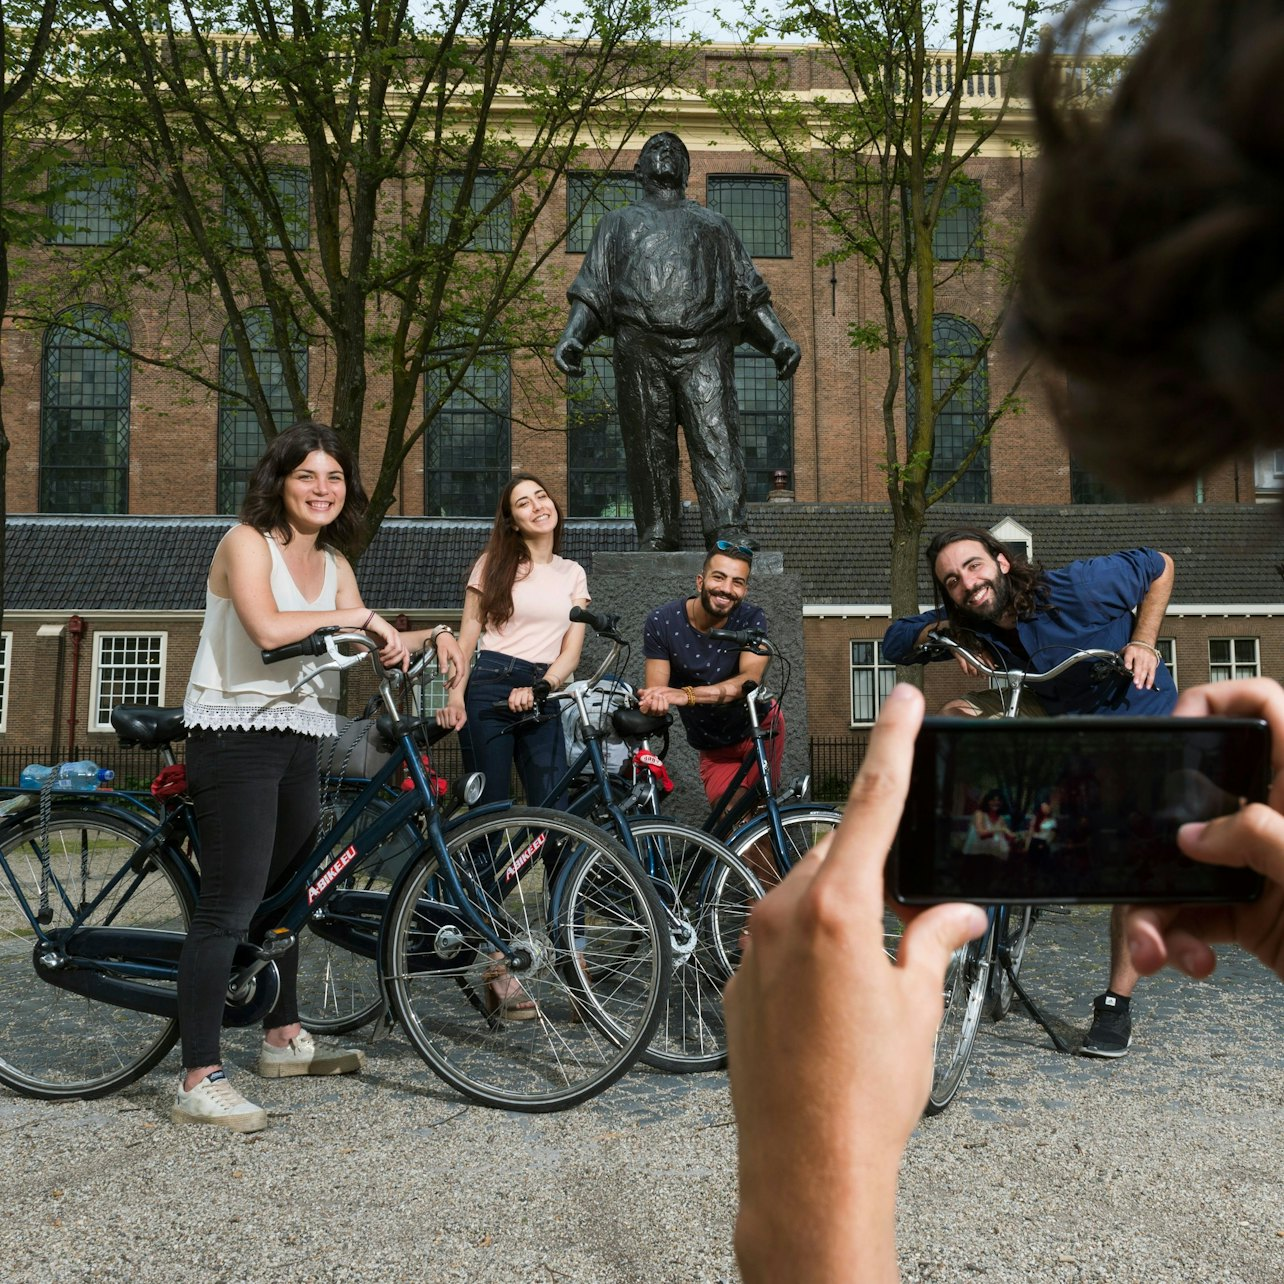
(1167, 1167)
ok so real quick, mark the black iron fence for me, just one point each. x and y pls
(834, 761)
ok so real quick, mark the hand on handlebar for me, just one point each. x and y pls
(450, 660)
(1143, 663)
(392, 646)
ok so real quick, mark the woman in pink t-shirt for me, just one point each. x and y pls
(516, 613)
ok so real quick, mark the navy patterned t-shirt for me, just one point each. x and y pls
(697, 660)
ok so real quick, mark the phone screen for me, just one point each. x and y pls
(1074, 809)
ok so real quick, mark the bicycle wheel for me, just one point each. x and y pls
(1014, 935)
(339, 986)
(803, 828)
(581, 916)
(707, 893)
(55, 1043)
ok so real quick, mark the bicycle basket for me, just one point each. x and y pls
(601, 700)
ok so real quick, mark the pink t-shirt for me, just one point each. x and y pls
(542, 601)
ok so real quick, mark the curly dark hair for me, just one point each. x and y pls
(506, 554)
(263, 507)
(1026, 580)
(1153, 273)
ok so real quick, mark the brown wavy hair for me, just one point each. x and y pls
(1026, 580)
(506, 555)
(1153, 272)
(263, 507)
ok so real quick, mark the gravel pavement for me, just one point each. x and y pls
(1166, 1167)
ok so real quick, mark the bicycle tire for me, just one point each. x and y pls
(707, 892)
(339, 986)
(54, 1043)
(803, 828)
(1016, 924)
(966, 981)
(588, 918)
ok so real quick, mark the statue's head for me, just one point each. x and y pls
(664, 161)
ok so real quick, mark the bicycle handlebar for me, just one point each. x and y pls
(745, 639)
(940, 646)
(605, 626)
(314, 644)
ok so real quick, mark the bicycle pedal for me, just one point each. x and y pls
(279, 941)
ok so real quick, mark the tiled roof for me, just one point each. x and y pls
(1225, 554)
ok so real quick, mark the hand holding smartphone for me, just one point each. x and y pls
(1074, 809)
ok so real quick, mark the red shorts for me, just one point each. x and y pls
(718, 767)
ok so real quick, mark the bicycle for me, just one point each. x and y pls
(705, 889)
(983, 976)
(93, 917)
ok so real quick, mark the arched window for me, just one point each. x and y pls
(240, 438)
(467, 446)
(964, 415)
(766, 419)
(84, 414)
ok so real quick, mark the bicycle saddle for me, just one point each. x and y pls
(146, 726)
(638, 725)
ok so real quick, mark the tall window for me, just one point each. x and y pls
(88, 206)
(243, 211)
(958, 228)
(1230, 658)
(1087, 489)
(757, 207)
(492, 232)
(129, 668)
(597, 482)
(1167, 648)
(240, 438)
(588, 197)
(467, 445)
(872, 680)
(84, 415)
(1268, 468)
(766, 419)
(6, 650)
(964, 415)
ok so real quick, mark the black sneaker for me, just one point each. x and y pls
(1111, 1032)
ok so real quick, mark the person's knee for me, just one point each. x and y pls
(959, 708)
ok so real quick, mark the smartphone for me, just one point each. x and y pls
(1073, 809)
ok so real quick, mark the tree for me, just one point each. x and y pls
(25, 34)
(884, 159)
(342, 183)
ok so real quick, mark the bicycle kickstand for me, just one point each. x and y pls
(1028, 1003)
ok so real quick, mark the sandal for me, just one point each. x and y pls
(503, 996)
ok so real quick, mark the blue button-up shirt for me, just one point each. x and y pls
(1089, 604)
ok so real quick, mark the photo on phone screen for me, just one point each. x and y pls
(1073, 809)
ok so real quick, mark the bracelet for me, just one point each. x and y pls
(368, 619)
(690, 696)
(1145, 646)
(438, 631)
(553, 680)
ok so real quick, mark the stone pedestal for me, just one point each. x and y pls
(631, 585)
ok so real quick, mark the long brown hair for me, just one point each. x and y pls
(263, 507)
(506, 555)
(1026, 580)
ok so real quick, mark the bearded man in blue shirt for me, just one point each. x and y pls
(1021, 616)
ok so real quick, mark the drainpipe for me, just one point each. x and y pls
(75, 631)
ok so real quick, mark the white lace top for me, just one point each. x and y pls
(232, 689)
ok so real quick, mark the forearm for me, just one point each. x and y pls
(1150, 611)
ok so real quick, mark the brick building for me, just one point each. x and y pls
(120, 536)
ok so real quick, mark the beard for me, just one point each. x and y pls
(717, 612)
(993, 611)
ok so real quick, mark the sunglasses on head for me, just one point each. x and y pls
(738, 550)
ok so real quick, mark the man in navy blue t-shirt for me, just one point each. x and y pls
(1032, 619)
(702, 677)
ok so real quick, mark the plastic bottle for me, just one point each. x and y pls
(81, 775)
(105, 776)
(34, 775)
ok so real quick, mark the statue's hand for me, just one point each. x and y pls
(786, 354)
(568, 356)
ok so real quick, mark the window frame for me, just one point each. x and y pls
(952, 212)
(492, 234)
(783, 240)
(457, 404)
(160, 637)
(1235, 667)
(102, 198)
(763, 370)
(1167, 648)
(578, 236)
(6, 653)
(881, 672)
(582, 409)
(300, 228)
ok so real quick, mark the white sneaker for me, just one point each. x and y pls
(215, 1101)
(302, 1056)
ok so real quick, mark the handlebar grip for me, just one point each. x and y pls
(741, 637)
(541, 690)
(748, 687)
(602, 624)
(313, 644)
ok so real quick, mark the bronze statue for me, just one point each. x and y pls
(671, 281)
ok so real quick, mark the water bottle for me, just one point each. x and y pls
(81, 775)
(34, 775)
(105, 776)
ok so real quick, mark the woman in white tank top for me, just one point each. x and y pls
(252, 745)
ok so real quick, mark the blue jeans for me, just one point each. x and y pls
(537, 748)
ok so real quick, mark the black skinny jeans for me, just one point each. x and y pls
(257, 809)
